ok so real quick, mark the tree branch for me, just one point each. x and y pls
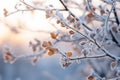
(93, 41)
(88, 57)
(115, 14)
(67, 9)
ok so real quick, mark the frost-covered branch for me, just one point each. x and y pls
(91, 35)
(115, 13)
(66, 8)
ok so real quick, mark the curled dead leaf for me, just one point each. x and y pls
(90, 78)
(50, 53)
(9, 57)
(53, 35)
(58, 21)
(90, 15)
(71, 32)
(69, 54)
(54, 50)
(46, 44)
(113, 64)
(35, 60)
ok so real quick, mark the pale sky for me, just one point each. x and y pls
(32, 22)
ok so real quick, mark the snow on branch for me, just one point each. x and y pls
(91, 34)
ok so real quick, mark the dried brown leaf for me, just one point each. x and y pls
(58, 21)
(71, 32)
(114, 29)
(53, 35)
(93, 8)
(53, 50)
(66, 64)
(72, 20)
(102, 12)
(90, 15)
(90, 78)
(46, 44)
(50, 53)
(69, 54)
(113, 64)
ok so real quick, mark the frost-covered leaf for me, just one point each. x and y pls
(53, 35)
(46, 44)
(71, 32)
(90, 77)
(52, 50)
(69, 54)
(113, 65)
(90, 15)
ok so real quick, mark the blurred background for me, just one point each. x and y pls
(17, 30)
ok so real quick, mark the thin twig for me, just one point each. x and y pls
(93, 41)
(105, 31)
(66, 8)
(115, 14)
(24, 10)
(88, 57)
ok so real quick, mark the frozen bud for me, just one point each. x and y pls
(58, 21)
(93, 8)
(97, 30)
(102, 12)
(49, 13)
(66, 64)
(86, 8)
(114, 29)
(77, 25)
(72, 20)
(108, 1)
(71, 32)
(66, 1)
(118, 29)
(90, 15)
(34, 48)
(62, 25)
(30, 43)
(113, 64)
(5, 11)
(85, 52)
(34, 61)
(92, 35)
(78, 60)
(37, 42)
(118, 72)
(82, 43)
(8, 57)
(69, 17)
(13, 59)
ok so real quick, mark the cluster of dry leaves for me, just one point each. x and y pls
(72, 24)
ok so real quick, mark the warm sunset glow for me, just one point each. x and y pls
(59, 40)
(30, 22)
